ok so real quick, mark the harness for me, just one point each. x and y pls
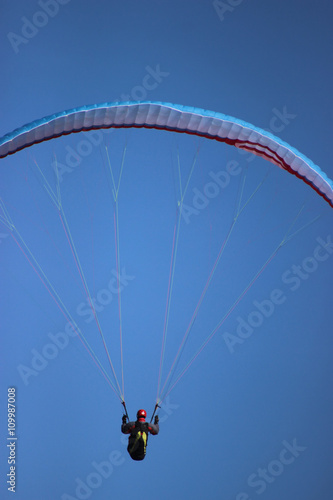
(138, 440)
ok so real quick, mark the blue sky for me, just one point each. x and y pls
(251, 418)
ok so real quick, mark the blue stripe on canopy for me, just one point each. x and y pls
(177, 118)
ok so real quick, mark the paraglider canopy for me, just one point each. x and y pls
(177, 118)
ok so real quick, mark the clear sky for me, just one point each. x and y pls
(252, 416)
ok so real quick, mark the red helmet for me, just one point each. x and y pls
(141, 414)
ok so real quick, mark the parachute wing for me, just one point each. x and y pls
(175, 118)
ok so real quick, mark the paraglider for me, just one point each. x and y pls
(139, 431)
(168, 117)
